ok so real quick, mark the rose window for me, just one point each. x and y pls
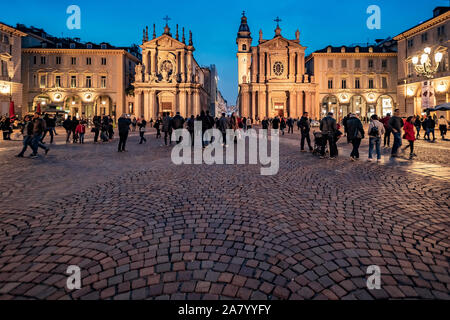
(278, 68)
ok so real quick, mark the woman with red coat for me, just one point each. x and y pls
(410, 136)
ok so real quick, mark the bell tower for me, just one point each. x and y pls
(244, 43)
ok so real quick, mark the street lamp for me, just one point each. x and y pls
(426, 67)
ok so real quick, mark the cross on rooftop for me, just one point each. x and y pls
(167, 19)
(243, 13)
(278, 20)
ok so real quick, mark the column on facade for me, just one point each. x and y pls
(308, 102)
(189, 63)
(153, 108)
(183, 107)
(147, 114)
(300, 71)
(292, 65)
(315, 113)
(197, 107)
(253, 114)
(182, 66)
(262, 108)
(262, 58)
(153, 62)
(254, 65)
(137, 105)
(145, 62)
(300, 106)
(293, 105)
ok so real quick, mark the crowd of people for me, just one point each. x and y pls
(380, 130)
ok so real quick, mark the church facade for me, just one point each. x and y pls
(169, 78)
(272, 77)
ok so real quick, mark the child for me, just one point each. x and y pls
(80, 131)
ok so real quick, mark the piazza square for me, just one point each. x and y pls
(273, 166)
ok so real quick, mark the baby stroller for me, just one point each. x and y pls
(319, 141)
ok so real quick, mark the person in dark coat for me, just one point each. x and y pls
(355, 133)
(67, 125)
(328, 126)
(124, 127)
(305, 127)
(178, 123)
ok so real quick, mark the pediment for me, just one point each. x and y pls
(165, 42)
(279, 43)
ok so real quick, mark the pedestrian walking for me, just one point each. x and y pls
(387, 131)
(142, 128)
(67, 125)
(97, 127)
(134, 124)
(81, 131)
(111, 128)
(27, 132)
(305, 129)
(418, 125)
(39, 127)
(443, 125)
(104, 130)
(410, 136)
(167, 128)
(124, 127)
(328, 126)
(191, 127)
(376, 131)
(178, 123)
(75, 123)
(396, 124)
(157, 126)
(223, 126)
(355, 134)
(282, 125)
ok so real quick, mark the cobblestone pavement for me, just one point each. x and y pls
(140, 227)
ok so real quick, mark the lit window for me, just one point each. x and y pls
(88, 82)
(43, 81)
(73, 81)
(103, 82)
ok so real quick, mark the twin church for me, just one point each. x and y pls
(275, 78)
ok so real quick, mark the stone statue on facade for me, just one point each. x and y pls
(139, 69)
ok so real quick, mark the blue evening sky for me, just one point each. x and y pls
(215, 23)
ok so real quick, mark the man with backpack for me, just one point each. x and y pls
(376, 131)
(355, 134)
